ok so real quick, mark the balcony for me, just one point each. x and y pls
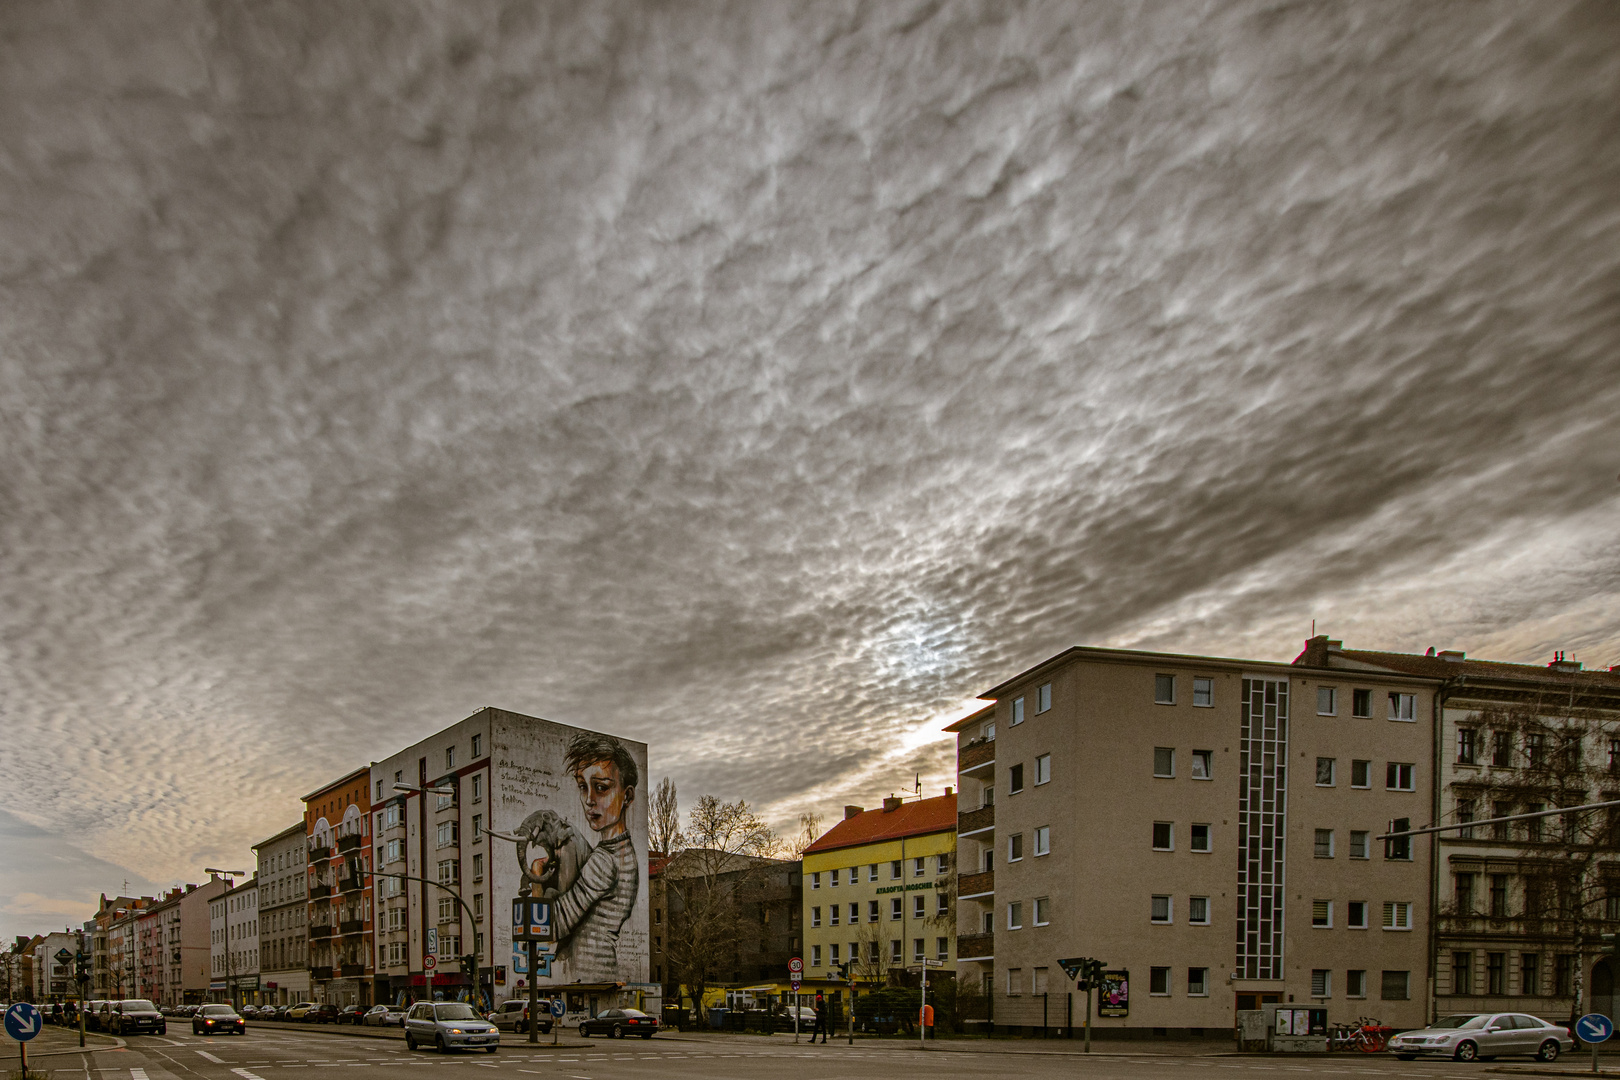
(316, 892)
(321, 974)
(316, 854)
(320, 932)
(350, 884)
(349, 843)
(976, 947)
(351, 971)
(975, 886)
(351, 926)
(976, 756)
(976, 821)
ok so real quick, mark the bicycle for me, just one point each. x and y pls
(1366, 1035)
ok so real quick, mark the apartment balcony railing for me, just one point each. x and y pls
(348, 843)
(350, 884)
(976, 755)
(320, 932)
(972, 821)
(321, 974)
(318, 891)
(976, 947)
(351, 926)
(970, 886)
(352, 970)
(321, 852)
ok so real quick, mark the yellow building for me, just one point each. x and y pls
(879, 894)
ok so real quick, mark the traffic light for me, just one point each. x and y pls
(469, 968)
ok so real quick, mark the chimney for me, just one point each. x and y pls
(853, 811)
(1430, 652)
(1560, 664)
(1455, 656)
(891, 803)
(1335, 646)
(949, 791)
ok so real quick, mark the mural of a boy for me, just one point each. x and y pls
(589, 912)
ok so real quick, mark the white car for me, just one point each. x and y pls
(449, 1025)
(1469, 1036)
(384, 1016)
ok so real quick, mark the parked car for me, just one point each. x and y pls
(617, 1023)
(324, 1013)
(132, 1016)
(248, 1012)
(1467, 1036)
(513, 1015)
(298, 1011)
(218, 1020)
(187, 1011)
(383, 1016)
(350, 1014)
(449, 1025)
(92, 1015)
(280, 1013)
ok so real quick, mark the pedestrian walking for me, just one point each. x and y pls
(821, 1020)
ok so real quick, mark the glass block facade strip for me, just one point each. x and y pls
(1262, 826)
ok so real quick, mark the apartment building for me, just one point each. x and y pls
(1520, 905)
(283, 915)
(53, 980)
(879, 894)
(1204, 826)
(233, 936)
(500, 806)
(338, 912)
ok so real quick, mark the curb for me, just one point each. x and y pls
(118, 1044)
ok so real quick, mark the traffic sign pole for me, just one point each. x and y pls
(795, 970)
(1594, 1028)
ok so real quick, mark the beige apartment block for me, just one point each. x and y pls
(1206, 825)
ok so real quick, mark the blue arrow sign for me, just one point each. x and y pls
(1594, 1028)
(23, 1021)
(556, 1007)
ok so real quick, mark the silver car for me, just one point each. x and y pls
(1467, 1036)
(449, 1025)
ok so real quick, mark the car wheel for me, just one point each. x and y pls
(618, 1031)
(1405, 1057)
(646, 1035)
(439, 1043)
(1466, 1051)
(410, 1043)
(1548, 1051)
(490, 1049)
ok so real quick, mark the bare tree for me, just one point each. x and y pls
(714, 890)
(664, 824)
(809, 833)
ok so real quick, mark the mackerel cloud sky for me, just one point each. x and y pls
(763, 381)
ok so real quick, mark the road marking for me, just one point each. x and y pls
(247, 1075)
(211, 1057)
(137, 1074)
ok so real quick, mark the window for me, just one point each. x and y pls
(1400, 776)
(1614, 755)
(832, 954)
(1499, 831)
(1326, 771)
(394, 851)
(450, 757)
(1321, 983)
(1324, 843)
(1467, 746)
(1355, 914)
(871, 872)
(478, 826)
(1161, 910)
(919, 907)
(1463, 893)
(1015, 779)
(815, 880)
(873, 912)
(1402, 706)
(1462, 972)
(1355, 983)
(477, 746)
(1465, 812)
(1361, 774)
(1397, 916)
(815, 956)
(1015, 981)
(1396, 986)
(1198, 910)
(942, 904)
(1042, 910)
(449, 872)
(1164, 761)
(1322, 913)
(1043, 840)
(1203, 764)
(1327, 701)
(919, 866)
(1015, 847)
(1164, 689)
(1530, 974)
(894, 951)
(1163, 836)
(478, 868)
(832, 914)
(1501, 749)
(895, 872)
(1015, 915)
(1017, 712)
(478, 787)
(1496, 973)
(1043, 769)
(447, 909)
(1564, 975)
(1199, 838)
(1204, 693)
(832, 879)
(1361, 704)
(895, 912)
(378, 796)
(942, 951)
(815, 916)
(1159, 981)
(1399, 848)
(1535, 750)
(448, 833)
(1043, 697)
(1499, 895)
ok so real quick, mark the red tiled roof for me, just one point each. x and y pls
(908, 819)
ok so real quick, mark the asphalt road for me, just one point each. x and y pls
(270, 1054)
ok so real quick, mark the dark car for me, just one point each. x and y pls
(92, 1016)
(132, 1016)
(351, 1014)
(617, 1023)
(324, 1013)
(217, 1020)
(248, 1012)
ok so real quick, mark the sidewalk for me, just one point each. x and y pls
(53, 1041)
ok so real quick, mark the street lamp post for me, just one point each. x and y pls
(230, 877)
(472, 923)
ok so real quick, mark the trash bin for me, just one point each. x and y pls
(717, 1019)
(673, 1016)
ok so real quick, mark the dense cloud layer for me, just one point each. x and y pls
(765, 381)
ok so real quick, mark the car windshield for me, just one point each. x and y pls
(217, 1010)
(457, 1011)
(634, 1012)
(137, 1005)
(1467, 1021)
